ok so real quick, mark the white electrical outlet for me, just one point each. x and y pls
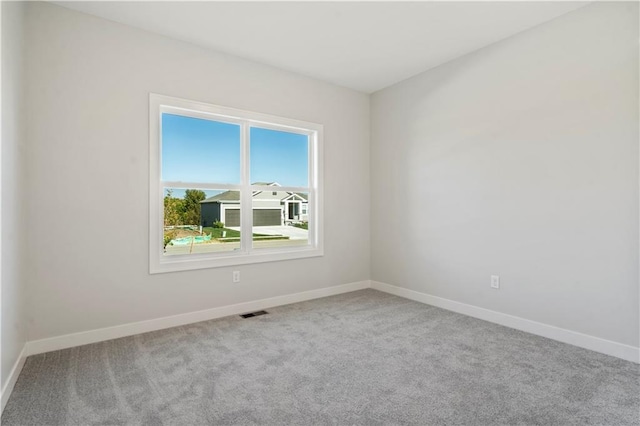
(495, 281)
(236, 276)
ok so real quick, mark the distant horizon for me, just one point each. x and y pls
(180, 192)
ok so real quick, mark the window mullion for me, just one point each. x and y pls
(246, 224)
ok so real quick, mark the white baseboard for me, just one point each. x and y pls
(13, 378)
(596, 344)
(93, 336)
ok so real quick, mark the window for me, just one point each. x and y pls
(231, 187)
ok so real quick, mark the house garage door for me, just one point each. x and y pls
(261, 217)
(266, 217)
(232, 217)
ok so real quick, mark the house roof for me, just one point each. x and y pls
(235, 195)
(293, 195)
(223, 196)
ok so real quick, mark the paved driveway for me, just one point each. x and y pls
(292, 232)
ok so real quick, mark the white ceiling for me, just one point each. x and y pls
(362, 45)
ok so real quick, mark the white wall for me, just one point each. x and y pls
(88, 173)
(13, 191)
(521, 160)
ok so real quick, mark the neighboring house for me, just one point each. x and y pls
(269, 207)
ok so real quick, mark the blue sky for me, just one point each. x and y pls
(205, 151)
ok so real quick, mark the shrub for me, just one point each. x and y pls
(168, 236)
(218, 224)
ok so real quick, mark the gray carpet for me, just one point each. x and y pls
(363, 358)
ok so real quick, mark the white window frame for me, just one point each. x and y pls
(158, 262)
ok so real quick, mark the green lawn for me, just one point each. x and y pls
(217, 232)
(232, 235)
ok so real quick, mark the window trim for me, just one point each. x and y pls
(158, 262)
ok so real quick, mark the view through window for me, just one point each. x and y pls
(233, 187)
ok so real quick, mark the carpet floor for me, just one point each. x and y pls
(362, 358)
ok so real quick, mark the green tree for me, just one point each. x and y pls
(173, 210)
(192, 198)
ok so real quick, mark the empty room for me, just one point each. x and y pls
(320, 213)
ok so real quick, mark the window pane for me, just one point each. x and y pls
(198, 150)
(201, 221)
(280, 220)
(278, 156)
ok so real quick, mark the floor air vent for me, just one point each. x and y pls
(254, 314)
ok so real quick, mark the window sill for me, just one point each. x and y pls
(193, 262)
